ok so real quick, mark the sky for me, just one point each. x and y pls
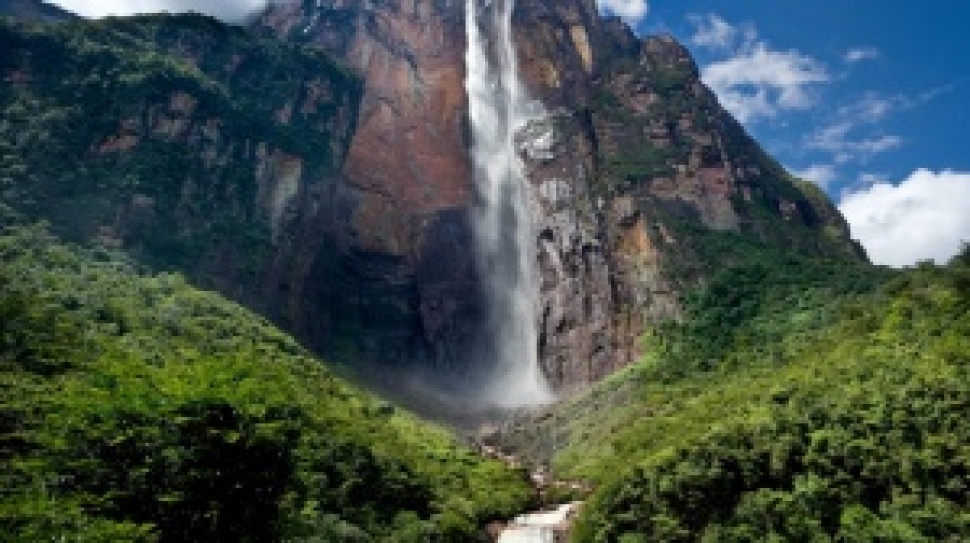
(867, 98)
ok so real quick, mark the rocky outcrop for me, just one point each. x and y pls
(637, 147)
(635, 154)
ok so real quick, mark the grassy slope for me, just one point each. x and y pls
(138, 408)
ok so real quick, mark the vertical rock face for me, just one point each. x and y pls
(635, 156)
(404, 261)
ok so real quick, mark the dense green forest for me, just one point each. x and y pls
(134, 407)
(799, 400)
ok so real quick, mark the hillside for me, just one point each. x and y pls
(134, 407)
(799, 400)
(187, 143)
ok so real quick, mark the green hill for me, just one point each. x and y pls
(136, 408)
(799, 401)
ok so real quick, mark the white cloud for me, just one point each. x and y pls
(837, 139)
(854, 56)
(758, 82)
(925, 217)
(631, 10)
(712, 32)
(230, 10)
(821, 174)
(755, 81)
(235, 10)
(874, 107)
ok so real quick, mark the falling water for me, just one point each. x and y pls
(504, 233)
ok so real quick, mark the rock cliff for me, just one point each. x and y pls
(339, 205)
(635, 157)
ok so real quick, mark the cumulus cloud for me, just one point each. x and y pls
(854, 56)
(925, 217)
(821, 174)
(631, 10)
(755, 81)
(229, 10)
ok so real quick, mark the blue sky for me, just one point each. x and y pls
(867, 98)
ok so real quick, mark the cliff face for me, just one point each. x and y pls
(643, 157)
(406, 258)
(189, 144)
(635, 156)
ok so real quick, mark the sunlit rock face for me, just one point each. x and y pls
(633, 157)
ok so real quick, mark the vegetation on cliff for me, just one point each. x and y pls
(135, 407)
(168, 135)
(799, 400)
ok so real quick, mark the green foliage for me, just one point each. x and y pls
(798, 400)
(855, 429)
(756, 306)
(636, 166)
(137, 408)
(153, 132)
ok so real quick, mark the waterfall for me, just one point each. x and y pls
(504, 233)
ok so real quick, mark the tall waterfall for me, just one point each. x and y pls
(504, 233)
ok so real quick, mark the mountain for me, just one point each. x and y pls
(644, 164)
(34, 10)
(172, 189)
(136, 407)
(339, 205)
